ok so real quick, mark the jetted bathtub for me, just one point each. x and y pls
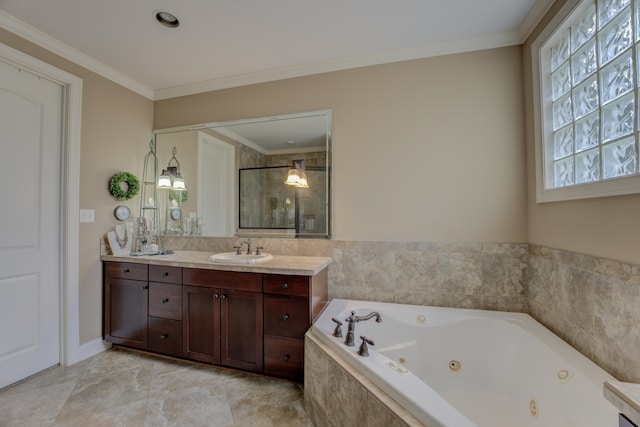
(463, 368)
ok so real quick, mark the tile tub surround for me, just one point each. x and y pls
(335, 395)
(466, 275)
(588, 301)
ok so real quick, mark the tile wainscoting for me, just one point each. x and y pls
(592, 303)
(471, 275)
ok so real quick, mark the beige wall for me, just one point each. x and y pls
(425, 150)
(116, 129)
(606, 227)
(447, 132)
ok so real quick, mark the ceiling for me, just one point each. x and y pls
(227, 43)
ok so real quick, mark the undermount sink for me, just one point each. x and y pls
(236, 258)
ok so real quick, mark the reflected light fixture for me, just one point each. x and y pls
(297, 176)
(170, 178)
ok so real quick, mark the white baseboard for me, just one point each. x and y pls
(92, 348)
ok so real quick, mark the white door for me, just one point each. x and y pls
(30, 141)
(216, 184)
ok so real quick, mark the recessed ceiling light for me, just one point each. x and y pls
(167, 19)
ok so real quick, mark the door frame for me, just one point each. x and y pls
(69, 195)
(230, 200)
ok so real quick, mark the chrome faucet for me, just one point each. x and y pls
(352, 320)
(239, 248)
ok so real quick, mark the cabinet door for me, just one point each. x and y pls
(126, 308)
(241, 329)
(201, 323)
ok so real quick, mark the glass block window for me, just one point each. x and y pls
(589, 82)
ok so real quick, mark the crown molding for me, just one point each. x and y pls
(533, 18)
(33, 35)
(376, 58)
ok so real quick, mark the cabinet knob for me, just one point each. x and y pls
(145, 287)
(285, 285)
(223, 296)
(165, 300)
(287, 357)
(163, 336)
(286, 316)
(215, 296)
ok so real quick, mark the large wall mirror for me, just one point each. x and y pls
(262, 177)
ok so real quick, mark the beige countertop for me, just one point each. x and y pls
(280, 264)
(625, 397)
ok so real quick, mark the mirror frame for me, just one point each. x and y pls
(270, 232)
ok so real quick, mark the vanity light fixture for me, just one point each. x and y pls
(296, 176)
(164, 181)
(166, 18)
(170, 178)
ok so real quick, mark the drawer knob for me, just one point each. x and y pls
(165, 300)
(286, 316)
(165, 274)
(285, 285)
(145, 287)
(287, 357)
(163, 336)
(126, 270)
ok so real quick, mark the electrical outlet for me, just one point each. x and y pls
(87, 215)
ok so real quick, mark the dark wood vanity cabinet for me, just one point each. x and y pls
(165, 310)
(126, 291)
(223, 318)
(250, 321)
(290, 305)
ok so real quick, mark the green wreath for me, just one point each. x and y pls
(132, 186)
(180, 196)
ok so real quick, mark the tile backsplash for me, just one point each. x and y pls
(592, 303)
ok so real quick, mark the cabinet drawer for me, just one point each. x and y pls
(165, 274)
(165, 300)
(286, 316)
(286, 285)
(284, 357)
(165, 336)
(126, 270)
(239, 281)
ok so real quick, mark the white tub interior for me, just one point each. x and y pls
(472, 367)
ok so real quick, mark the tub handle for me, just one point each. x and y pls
(364, 350)
(338, 330)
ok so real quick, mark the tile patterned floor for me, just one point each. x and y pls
(121, 388)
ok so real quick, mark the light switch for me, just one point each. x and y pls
(87, 215)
